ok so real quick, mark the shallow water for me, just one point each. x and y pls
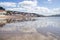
(48, 27)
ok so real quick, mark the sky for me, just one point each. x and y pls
(43, 7)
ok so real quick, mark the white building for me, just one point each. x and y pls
(2, 13)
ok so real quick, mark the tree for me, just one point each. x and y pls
(1, 8)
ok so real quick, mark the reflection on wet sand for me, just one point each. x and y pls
(2, 22)
(41, 29)
(11, 20)
(33, 36)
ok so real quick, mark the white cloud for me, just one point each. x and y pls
(16, 9)
(28, 3)
(56, 11)
(31, 6)
(49, 0)
(7, 4)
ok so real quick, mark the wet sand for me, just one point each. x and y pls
(28, 30)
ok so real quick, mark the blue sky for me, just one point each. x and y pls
(11, 0)
(49, 4)
(45, 7)
(45, 3)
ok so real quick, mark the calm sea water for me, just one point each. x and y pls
(43, 25)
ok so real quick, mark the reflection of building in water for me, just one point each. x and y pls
(2, 22)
